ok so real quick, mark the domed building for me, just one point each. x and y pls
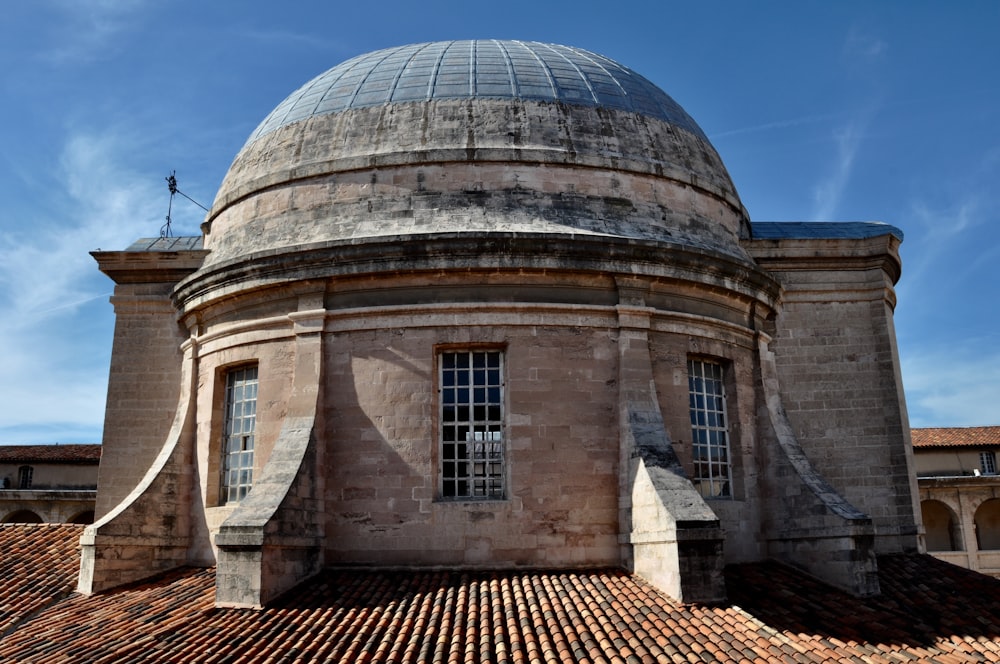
(493, 305)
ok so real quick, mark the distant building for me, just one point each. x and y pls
(497, 305)
(960, 494)
(48, 483)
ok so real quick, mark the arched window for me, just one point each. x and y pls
(86, 518)
(940, 526)
(988, 525)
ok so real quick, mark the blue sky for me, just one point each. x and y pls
(832, 111)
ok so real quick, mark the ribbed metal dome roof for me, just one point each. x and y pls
(477, 69)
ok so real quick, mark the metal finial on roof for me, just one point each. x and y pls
(172, 186)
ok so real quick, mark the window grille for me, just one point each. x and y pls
(471, 426)
(25, 474)
(713, 473)
(238, 438)
(988, 463)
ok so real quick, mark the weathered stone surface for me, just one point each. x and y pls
(475, 166)
(598, 250)
(835, 358)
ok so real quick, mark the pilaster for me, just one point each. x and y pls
(674, 539)
(273, 540)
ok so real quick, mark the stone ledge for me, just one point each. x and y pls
(47, 494)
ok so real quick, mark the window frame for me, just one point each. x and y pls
(232, 492)
(25, 477)
(712, 460)
(486, 414)
(988, 462)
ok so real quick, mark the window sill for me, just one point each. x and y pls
(472, 502)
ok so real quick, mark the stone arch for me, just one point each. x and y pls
(22, 516)
(988, 525)
(85, 517)
(940, 526)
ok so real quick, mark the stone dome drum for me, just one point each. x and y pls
(473, 137)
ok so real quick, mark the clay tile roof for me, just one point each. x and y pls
(956, 437)
(81, 454)
(38, 564)
(928, 611)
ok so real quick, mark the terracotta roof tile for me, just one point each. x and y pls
(38, 565)
(956, 437)
(86, 454)
(929, 612)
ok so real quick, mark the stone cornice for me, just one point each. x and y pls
(137, 267)
(511, 253)
(821, 254)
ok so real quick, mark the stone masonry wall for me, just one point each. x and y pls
(274, 358)
(561, 506)
(50, 506)
(477, 197)
(740, 515)
(52, 475)
(143, 388)
(144, 385)
(835, 369)
(838, 370)
(477, 163)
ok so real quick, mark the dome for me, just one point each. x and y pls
(469, 137)
(482, 69)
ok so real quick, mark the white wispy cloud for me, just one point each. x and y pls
(861, 51)
(949, 343)
(282, 38)
(938, 230)
(53, 298)
(786, 123)
(827, 194)
(47, 265)
(86, 31)
(863, 47)
(954, 386)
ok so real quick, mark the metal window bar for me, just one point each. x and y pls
(988, 463)
(238, 440)
(25, 475)
(472, 446)
(713, 473)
